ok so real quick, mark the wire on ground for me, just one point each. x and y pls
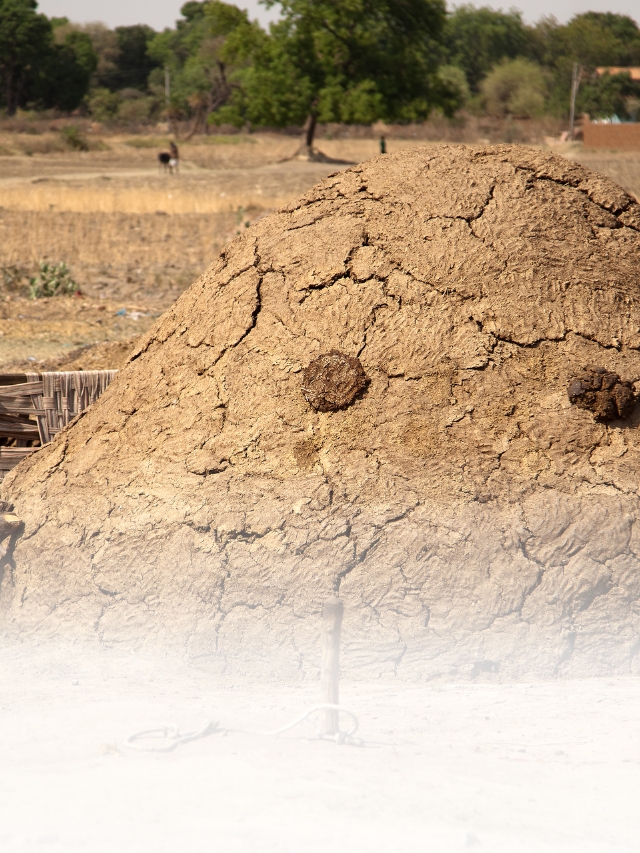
(170, 736)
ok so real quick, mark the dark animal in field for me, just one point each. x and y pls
(168, 161)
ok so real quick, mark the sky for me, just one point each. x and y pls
(157, 13)
(163, 13)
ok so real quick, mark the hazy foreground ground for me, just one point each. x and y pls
(534, 767)
(135, 238)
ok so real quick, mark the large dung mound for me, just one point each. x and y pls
(433, 468)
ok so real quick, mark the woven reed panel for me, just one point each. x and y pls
(36, 406)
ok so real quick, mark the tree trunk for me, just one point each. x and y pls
(12, 101)
(306, 150)
(312, 122)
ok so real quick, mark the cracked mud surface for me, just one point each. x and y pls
(472, 518)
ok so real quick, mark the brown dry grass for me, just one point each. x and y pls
(117, 252)
(109, 238)
(142, 199)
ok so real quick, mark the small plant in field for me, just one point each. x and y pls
(74, 138)
(240, 219)
(11, 278)
(51, 280)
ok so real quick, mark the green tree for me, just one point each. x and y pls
(42, 62)
(456, 80)
(25, 39)
(199, 59)
(354, 61)
(478, 39)
(515, 87)
(104, 104)
(133, 64)
(608, 95)
(591, 40)
(67, 72)
(582, 40)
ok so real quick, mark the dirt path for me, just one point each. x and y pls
(532, 768)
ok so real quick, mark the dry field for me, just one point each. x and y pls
(135, 238)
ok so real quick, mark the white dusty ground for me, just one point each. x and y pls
(503, 768)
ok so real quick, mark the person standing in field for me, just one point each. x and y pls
(175, 157)
(383, 145)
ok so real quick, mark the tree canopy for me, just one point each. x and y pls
(199, 58)
(477, 39)
(353, 61)
(356, 61)
(34, 67)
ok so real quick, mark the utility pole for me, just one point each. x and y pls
(330, 667)
(575, 82)
(167, 86)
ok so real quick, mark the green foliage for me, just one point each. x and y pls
(25, 38)
(610, 94)
(135, 110)
(74, 138)
(68, 72)
(591, 40)
(594, 39)
(51, 280)
(36, 66)
(456, 81)
(133, 63)
(515, 87)
(353, 61)
(478, 39)
(103, 104)
(198, 57)
(105, 46)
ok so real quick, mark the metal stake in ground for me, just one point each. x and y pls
(330, 668)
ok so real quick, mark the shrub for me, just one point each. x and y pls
(134, 111)
(74, 138)
(515, 87)
(51, 280)
(103, 104)
(11, 278)
(456, 80)
(49, 143)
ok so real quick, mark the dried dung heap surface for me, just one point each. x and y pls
(414, 384)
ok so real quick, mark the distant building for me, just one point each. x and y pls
(623, 136)
(632, 71)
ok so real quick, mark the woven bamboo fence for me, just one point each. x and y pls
(36, 406)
